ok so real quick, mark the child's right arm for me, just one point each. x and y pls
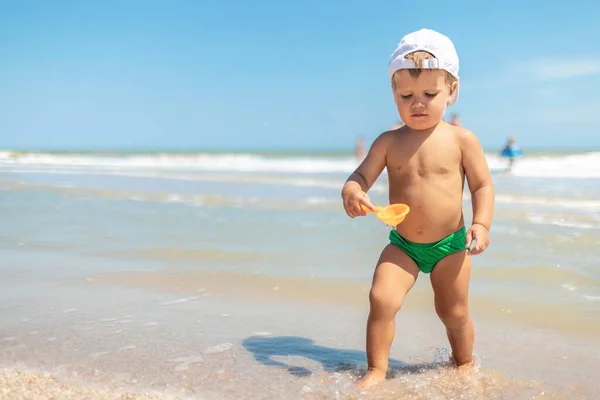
(354, 192)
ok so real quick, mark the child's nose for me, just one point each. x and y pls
(418, 103)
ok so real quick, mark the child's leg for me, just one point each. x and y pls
(394, 276)
(450, 282)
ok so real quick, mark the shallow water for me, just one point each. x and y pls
(174, 276)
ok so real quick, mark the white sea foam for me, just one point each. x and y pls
(568, 287)
(591, 298)
(99, 354)
(183, 363)
(559, 221)
(219, 348)
(581, 165)
(178, 301)
(576, 204)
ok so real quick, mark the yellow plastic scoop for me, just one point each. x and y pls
(391, 215)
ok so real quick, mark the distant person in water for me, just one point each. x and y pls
(511, 151)
(359, 148)
(455, 120)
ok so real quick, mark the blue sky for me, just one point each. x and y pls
(272, 74)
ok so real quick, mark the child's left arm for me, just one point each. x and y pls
(482, 191)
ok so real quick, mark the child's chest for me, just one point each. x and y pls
(432, 157)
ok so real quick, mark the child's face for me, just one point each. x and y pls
(422, 101)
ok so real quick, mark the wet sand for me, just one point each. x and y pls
(21, 385)
(215, 342)
(354, 295)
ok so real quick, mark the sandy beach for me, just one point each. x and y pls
(20, 385)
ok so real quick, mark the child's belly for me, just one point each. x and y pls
(435, 210)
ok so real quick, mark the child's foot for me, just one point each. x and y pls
(467, 369)
(371, 378)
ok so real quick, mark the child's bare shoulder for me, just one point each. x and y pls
(386, 139)
(460, 131)
(395, 133)
(465, 137)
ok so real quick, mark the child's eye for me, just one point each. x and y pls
(430, 94)
(406, 96)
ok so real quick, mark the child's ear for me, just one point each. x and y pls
(453, 88)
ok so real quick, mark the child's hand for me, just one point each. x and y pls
(353, 200)
(479, 234)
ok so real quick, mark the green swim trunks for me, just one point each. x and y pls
(427, 255)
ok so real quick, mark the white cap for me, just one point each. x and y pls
(432, 42)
